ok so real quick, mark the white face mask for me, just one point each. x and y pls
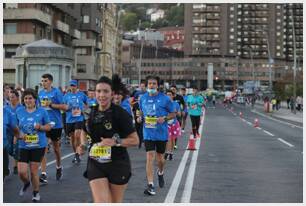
(151, 91)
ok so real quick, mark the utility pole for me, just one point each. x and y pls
(140, 55)
(237, 66)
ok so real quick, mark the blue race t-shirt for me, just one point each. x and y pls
(75, 102)
(153, 107)
(195, 104)
(9, 134)
(125, 104)
(27, 120)
(177, 108)
(185, 100)
(91, 102)
(54, 96)
(9, 122)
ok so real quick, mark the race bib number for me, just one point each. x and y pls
(31, 140)
(194, 106)
(150, 122)
(76, 112)
(101, 153)
(45, 103)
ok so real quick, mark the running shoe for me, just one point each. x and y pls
(59, 173)
(36, 197)
(161, 181)
(43, 179)
(24, 189)
(150, 190)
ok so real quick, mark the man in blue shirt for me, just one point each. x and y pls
(156, 109)
(75, 101)
(51, 99)
(91, 100)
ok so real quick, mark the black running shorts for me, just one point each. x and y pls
(117, 172)
(54, 134)
(158, 146)
(31, 155)
(71, 127)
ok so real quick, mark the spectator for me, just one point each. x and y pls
(292, 103)
(273, 102)
(299, 101)
(288, 102)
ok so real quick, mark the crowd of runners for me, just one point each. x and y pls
(101, 122)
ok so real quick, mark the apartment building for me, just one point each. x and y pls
(76, 26)
(247, 38)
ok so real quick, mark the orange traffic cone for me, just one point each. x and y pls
(256, 123)
(240, 114)
(191, 143)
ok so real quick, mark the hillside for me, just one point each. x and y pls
(136, 13)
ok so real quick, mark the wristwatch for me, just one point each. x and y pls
(117, 139)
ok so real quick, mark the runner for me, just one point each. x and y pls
(111, 131)
(33, 123)
(13, 143)
(121, 95)
(9, 124)
(51, 99)
(75, 101)
(156, 109)
(180, 100)
(91, 100)
(195, 103)
(185, 115)
(174, 128)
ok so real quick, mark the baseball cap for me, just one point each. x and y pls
(73, 82)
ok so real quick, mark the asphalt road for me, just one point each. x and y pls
(234, 162)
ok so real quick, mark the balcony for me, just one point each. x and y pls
(84, 42)
(18, 38)
(27, 13)
(77, 34)
(62, 27)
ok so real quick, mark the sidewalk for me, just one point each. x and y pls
(282, 113)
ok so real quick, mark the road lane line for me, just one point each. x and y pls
(64, 157)
(285, 142)
(249, 123)
(277, 120)
(259, 128)
(268, 133)
(192, 168)
(177, 179)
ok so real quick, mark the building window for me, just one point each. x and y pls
(81, 68)
(9, 52)
(85, 19)
(232, 37)
(232, 8)
(10, 28)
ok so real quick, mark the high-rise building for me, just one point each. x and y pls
(249, 37)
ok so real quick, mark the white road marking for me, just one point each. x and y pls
(259, 128)
(268, 133)
(192, 168)
(287, 123)
(177, 179)
(179, 173)
(64, 157)
(249, 123)
(285, 142)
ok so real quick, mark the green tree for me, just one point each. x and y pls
(129, 21)
(175, 16)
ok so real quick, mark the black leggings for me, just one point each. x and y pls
(195, 122)
(5, 163)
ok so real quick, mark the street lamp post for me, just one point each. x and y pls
(140, 55)
(294, 60)
(237, 65)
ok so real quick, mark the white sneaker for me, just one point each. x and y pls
(36, 198)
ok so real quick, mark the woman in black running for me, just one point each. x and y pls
(111, 130)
